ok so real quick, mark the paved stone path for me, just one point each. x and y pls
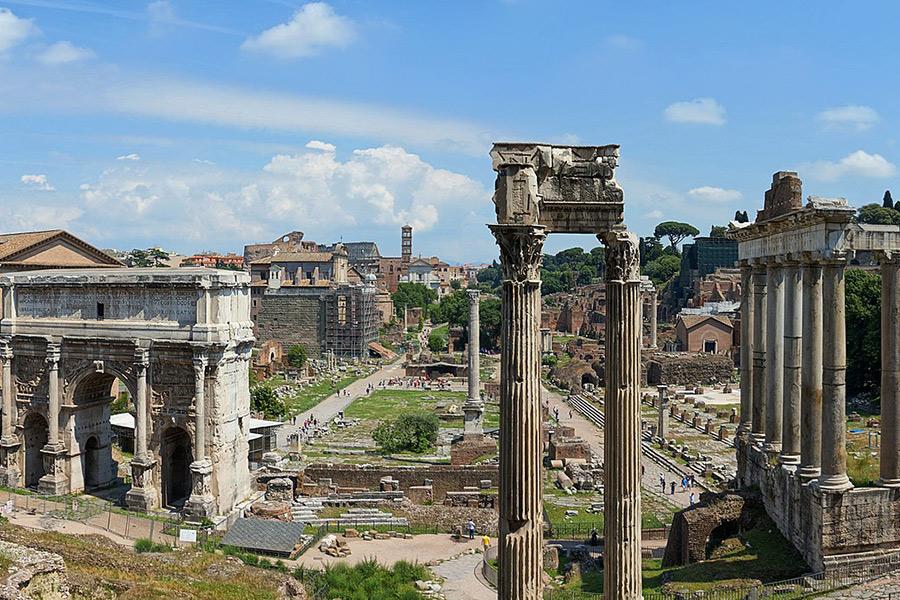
(462, 583)
(886, 588)
(594, 436)
(335, 403)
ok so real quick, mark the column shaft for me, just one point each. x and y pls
(653, 309)
(747, 319)
(521, 492)
(793, 323)
(774, 357)
(622, 428)
(9, 392)
(890, 375)
(811, 373)
(758, 426)
(834, 382)
(474, 344)
(53, 352)
(140, 407)
(200, 408)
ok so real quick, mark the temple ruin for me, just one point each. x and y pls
(542, 189)
(791, 441)
(179, 341)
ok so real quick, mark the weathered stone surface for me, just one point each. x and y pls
(692, 527)
(33, 574)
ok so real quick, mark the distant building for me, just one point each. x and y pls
(700, 259)
(711, 333)
(214, 261)
(51, 249)
(434, 274)
(362, 256)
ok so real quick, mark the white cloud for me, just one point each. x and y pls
(22, 216)
(710, 193)
(38, 182)
(64, 52)
(375, 188)
(856, 164)
(314, 27)
(317, 145)
(854, 117)
(654, 214)
(132, 156)
(623, 42)
(705, 111)
(14, 30)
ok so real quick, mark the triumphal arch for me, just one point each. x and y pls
(541, 189)
(178, 340)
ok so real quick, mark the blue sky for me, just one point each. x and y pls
(208, 125)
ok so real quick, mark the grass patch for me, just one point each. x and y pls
(381, 404)
(311, 395)
(369, 580)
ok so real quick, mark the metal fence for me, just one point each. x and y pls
(101, 514)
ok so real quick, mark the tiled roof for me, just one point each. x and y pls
(691, 321)
(12, 244)
(264, 535)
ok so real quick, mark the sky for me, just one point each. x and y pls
(206, 125)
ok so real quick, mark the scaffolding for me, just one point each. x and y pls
(351, 320)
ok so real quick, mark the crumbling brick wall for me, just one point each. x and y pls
(445, 478)
(292, 319)
(692, 527)
(683, 368)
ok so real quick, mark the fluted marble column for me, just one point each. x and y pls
(142, 495)
(200, 362)
(747, 320)
(521, 491)
(201, 503)
(774, 356)
(473, 408)
(141, 363)
(622, 429)
(6, 355)
(834, 381)
(890, 373)
(53, 354)
(811, 374)
(654, 301)
(758, 427)
(793, 323)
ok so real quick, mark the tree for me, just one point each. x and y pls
(437, 340)
(296, 356)
(663, 268)
(650, 248)
(490, 276)
(717, 231)
(863, 306)
(887, 201)
(138, 258)
(456, 284)
(675, 231)
(158, 257)
(263, 399)
(453, 308)
(415, 432)
(411, 295)
(878, 215)
(489, 319)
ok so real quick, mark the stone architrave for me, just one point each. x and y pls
(793, 319)
(521, 481)
(622, 428)
(834, 381)
(473, 408)
(890, 372)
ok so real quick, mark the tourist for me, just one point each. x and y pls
(471, 527)
(485, 542)
(691, 499)
(595, 538)
(672, 484)
(662, 483)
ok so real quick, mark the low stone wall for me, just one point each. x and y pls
(829, 530)
(443, 478)
(33, 574)
(681, 368)
(472, 447)
(692, 527)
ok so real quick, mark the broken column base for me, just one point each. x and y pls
(54, 483)
(201, 504)
(10, 475)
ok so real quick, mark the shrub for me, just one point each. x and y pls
(408, 433)
(296, 356)
(264, 400)
(437, 340)
(143, 545)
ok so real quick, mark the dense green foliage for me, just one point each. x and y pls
(663, 268)
(454, 309)
(489, 319)
(412, 295)
(142, 545)
(878, 215)
(152, 257)
(438, 340)
(296, 356)
(562, 271)
(863, 302)
(416, 432)
(676, 231)
(264, 400)
(369, 580)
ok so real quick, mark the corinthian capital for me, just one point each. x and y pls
(623, 256)
(520, 251)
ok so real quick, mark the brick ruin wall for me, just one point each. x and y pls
(688, 368)
(292, 320)
(829, 530)
(445, 478)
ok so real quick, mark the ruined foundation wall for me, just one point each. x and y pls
(294, 319)
(444, 478)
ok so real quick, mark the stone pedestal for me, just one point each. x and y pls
(55, 482)
(473, 418)
(521, 478)
(622, 428)
(201, 503)
(142, 495)
(10, 472)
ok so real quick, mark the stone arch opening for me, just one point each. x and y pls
(725, 530)
(93, 396)
(589, 377)
(176, 455)
(36, 435)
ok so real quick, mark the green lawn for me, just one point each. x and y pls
(385, 404)
(306, 398)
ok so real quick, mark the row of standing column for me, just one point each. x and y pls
(793, 389)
